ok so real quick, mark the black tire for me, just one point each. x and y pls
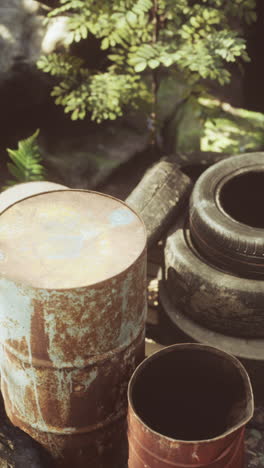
(160, 196)
(227, 214)
(218, 300)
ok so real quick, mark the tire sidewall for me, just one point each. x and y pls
(213, 228)
(217, 299)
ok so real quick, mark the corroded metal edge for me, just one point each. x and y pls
(214, 350)
(148, 447)
(19, 192)
(71, 247)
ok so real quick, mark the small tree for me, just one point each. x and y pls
(141, 39)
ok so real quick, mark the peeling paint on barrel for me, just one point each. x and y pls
(68, 353)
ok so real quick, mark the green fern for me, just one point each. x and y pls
(26, 161)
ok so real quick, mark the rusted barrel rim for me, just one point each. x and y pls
(14, 191)
(214, 350)
(98, 283)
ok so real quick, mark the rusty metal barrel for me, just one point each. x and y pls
(19, 191)
(72, 317)
(188, 406)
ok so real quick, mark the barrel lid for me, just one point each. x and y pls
(68, 239)
(26, 189)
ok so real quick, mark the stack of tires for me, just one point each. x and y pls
(213, 288)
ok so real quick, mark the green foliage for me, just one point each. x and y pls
(61, 64)
(231, 130)
(141, 38)
(26, 161)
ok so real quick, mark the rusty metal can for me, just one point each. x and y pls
(188, 406)
(26, 189)
(72, 316)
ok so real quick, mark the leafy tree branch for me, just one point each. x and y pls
(142, 39)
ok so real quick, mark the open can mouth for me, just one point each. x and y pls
(185, 399)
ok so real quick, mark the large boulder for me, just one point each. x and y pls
(231, 129)
(23, 39)
(86, 158)
(20, 34)
(203, 131)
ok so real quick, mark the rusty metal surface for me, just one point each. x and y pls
(72, 316)
(179, 417)
(19, 191)
(68, 239)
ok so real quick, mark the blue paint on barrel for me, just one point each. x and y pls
(121, 217)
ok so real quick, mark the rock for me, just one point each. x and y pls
(183, 132)
(160, 196)
(24, 36)
(84, 161)
(173, 92)
(55, 35)
(212, 126)
(206, 132)
(23, 39)
(226, 130)
(231, 130)
(18, 33)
